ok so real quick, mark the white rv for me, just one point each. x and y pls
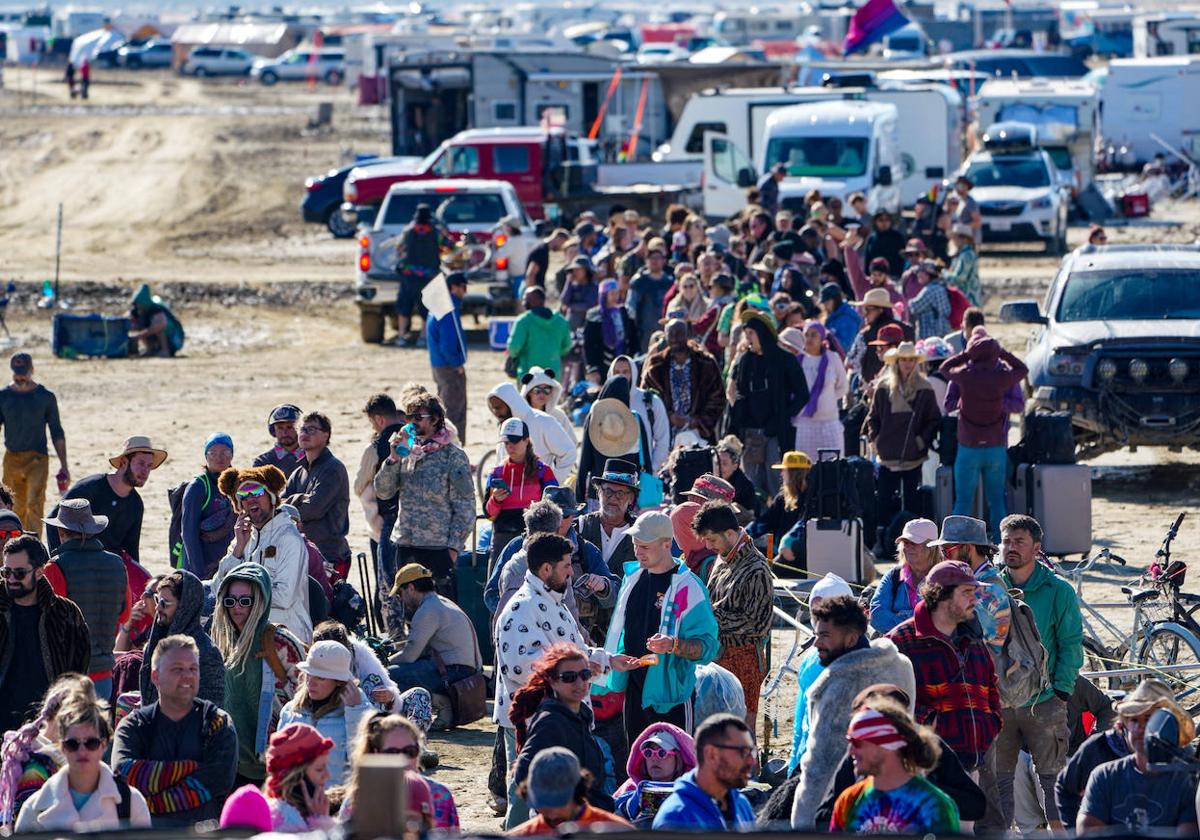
(1170, 33)
(930, 126)
(1065, 111)
(1150, 96)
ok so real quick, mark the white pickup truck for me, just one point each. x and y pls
(469, 214)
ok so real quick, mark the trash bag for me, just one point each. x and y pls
(718, 691)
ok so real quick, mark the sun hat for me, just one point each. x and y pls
(621, 472)
(553, 776)
(963, 530)
(830, 586)
(136, 444)
(889, 335)
(409, 573)
(513, 430)
(794, 461)
(75, 515)
(919, 532)
(934, 348)
(904, 350)
(218, 439)
(766, 265)
(650, 526)
(951, 573)
(1149, 694)
(711, 488)
(330, 660)
(876, 297)
(793, 339)
(612, 428)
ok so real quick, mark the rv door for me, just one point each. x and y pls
(728, 173)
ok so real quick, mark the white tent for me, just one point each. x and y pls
(91, 44)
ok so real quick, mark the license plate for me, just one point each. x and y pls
(1000, 227)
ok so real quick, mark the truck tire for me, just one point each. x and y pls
(268, 78)
(338, 224)
(371, 324)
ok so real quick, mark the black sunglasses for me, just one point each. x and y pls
(15, 574)
(243, 600)
(91, 744)
(411, 751)
(569, 677)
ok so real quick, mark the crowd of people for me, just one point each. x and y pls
(658, 442)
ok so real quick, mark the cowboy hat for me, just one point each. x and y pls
(766, 265)
(139, 443)
(619, 471)
(876, 297)
(904, 350)
(75, 515)
(962, 530)
(612, 428)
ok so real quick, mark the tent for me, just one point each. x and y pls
(91, 44)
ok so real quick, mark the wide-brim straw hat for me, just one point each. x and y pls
(877, 297)
(136, 444)
(905, 350)
(612, 428)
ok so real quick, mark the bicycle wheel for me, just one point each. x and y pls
(482, 470)
(1166, 645)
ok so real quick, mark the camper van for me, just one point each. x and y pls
(740, 114)
(1066, 113)
(1149, 96)
(836, 148)
(1172, 33)
(742, 27)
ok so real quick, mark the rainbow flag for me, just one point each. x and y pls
(870, 23)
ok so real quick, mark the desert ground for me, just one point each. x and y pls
(194, 185)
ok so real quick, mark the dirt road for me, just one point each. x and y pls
(195, 183)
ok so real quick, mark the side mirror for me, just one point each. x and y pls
(745, 177)
(885, 176)
(1022, 312)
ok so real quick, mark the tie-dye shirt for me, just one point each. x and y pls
(917, 807)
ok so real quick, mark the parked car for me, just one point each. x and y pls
(322, 202)
(153, 53)
(217, 61)
(1020, 195)
(469, 213)
(1119, 346)
(301, 64)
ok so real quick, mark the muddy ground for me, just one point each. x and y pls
(195, 186)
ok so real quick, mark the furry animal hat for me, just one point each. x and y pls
(269, 476)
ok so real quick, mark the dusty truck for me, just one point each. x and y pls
(470, 216)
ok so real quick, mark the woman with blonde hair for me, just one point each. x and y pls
(788, 506)
(390, 734)
(297, 773)
(689, 299)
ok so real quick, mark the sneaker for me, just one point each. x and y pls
(400, 341)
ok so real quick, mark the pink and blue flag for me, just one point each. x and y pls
(871, 23)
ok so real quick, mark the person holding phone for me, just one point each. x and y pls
(297, 773)
(514, 485)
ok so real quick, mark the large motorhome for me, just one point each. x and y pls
(1170, 33)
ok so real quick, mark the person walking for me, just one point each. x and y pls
(85, 77)
(418, 259)
(27, 410)
(448, 355)
(320, 490)
(207, 516)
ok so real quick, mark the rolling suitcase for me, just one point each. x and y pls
(943, 496)
(1059, 497)
(834, 545)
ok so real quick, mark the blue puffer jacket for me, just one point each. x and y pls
(890, 605)
(340, 727)
(689, 808)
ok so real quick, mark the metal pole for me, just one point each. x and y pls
(57, 251)
(1130, 672)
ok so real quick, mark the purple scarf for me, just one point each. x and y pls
(612, 325)
(814, 393)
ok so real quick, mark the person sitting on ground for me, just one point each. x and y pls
(368, 671)
(329, 700)
(438, 630)
(84, 795)
(659, 756)
(710, 798)
(179, 750)
(558, 788)
(155, 330)
(890, 750)
(898, 593)
(392, 734)
(297, 778)
(180, 600)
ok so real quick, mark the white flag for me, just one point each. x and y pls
(436, 297)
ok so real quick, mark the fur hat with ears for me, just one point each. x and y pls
(269, 476)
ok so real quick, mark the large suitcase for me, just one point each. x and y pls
(1059, 497)
(73, 335)
(942, 493)
(834, 545)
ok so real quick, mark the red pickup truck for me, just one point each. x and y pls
(555, 175)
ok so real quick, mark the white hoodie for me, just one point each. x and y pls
(538, 377)
(550, 441)
(653, 411)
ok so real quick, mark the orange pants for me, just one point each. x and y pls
(745, 663)
(25, 473)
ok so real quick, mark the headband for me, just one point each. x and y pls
(875, 728)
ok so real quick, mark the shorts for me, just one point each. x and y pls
(408, 298)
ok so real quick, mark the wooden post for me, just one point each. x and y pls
(380, 804)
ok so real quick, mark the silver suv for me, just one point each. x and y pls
(1119, 346)
(301, 64)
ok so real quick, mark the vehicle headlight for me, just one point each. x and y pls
(1106, 370)
(1042, 203)
(1179, 370)
(1139, 369)
(1062, 364)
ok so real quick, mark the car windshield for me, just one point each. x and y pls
(1131, 295)
(452, 209)
(1009, 172)
(817, 157)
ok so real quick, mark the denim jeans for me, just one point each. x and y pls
(423, 673)
(518, 808)
(992, 463)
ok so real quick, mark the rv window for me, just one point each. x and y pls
(504, 111)
(695, 141)
(819, 157)
(510, 159)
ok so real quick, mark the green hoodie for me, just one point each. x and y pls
(250, 685)
(1056, 613)
(540, 338)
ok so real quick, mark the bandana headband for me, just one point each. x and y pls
(875, 728)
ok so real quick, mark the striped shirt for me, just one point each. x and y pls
(742, 595)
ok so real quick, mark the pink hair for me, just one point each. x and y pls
(18, 746)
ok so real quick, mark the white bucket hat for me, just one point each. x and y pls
(328, 659)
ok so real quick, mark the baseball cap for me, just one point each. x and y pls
(514, 429)
(553, 777)
(664, 739)
(830, 291)
(919, 531)
(408, 574)
(20, 363)
(951, 573)
(889, 334)
(651, 526)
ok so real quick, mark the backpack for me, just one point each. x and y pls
(175, 531)
(125, 805)
(1021, 668)
(959, 304)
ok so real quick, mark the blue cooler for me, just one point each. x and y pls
(499, 329)
(104, 336)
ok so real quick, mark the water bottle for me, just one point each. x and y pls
(405, 447)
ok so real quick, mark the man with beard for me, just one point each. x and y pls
(27, 410)
(94, 579)
(269, 537)
(179, 598)
(710, 797)
(617, 491)
(851, 665)
(286, 453)
(965, 539)
(956, 680)
(180, 751)
(689, 381)
(320, 490)
(42, 635)
(437, 627)
(114, 496)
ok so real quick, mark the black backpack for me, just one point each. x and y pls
(175, 532)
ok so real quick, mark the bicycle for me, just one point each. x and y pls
(1164, 631)
(483, 470)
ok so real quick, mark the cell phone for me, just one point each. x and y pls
(497, 483)
(309, 786)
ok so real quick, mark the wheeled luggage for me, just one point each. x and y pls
(1059, 497)
(834, 545)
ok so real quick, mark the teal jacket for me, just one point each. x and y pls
(1056, 613)
(539, 341)
(686, 614)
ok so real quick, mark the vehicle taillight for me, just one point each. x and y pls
(313, 184)
(500, 240)
(350, 192)
(502, 263)
(445, 189)
(364, 242)
(364, 262)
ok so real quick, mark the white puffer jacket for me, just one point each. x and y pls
(550, 441)
(537, 376)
